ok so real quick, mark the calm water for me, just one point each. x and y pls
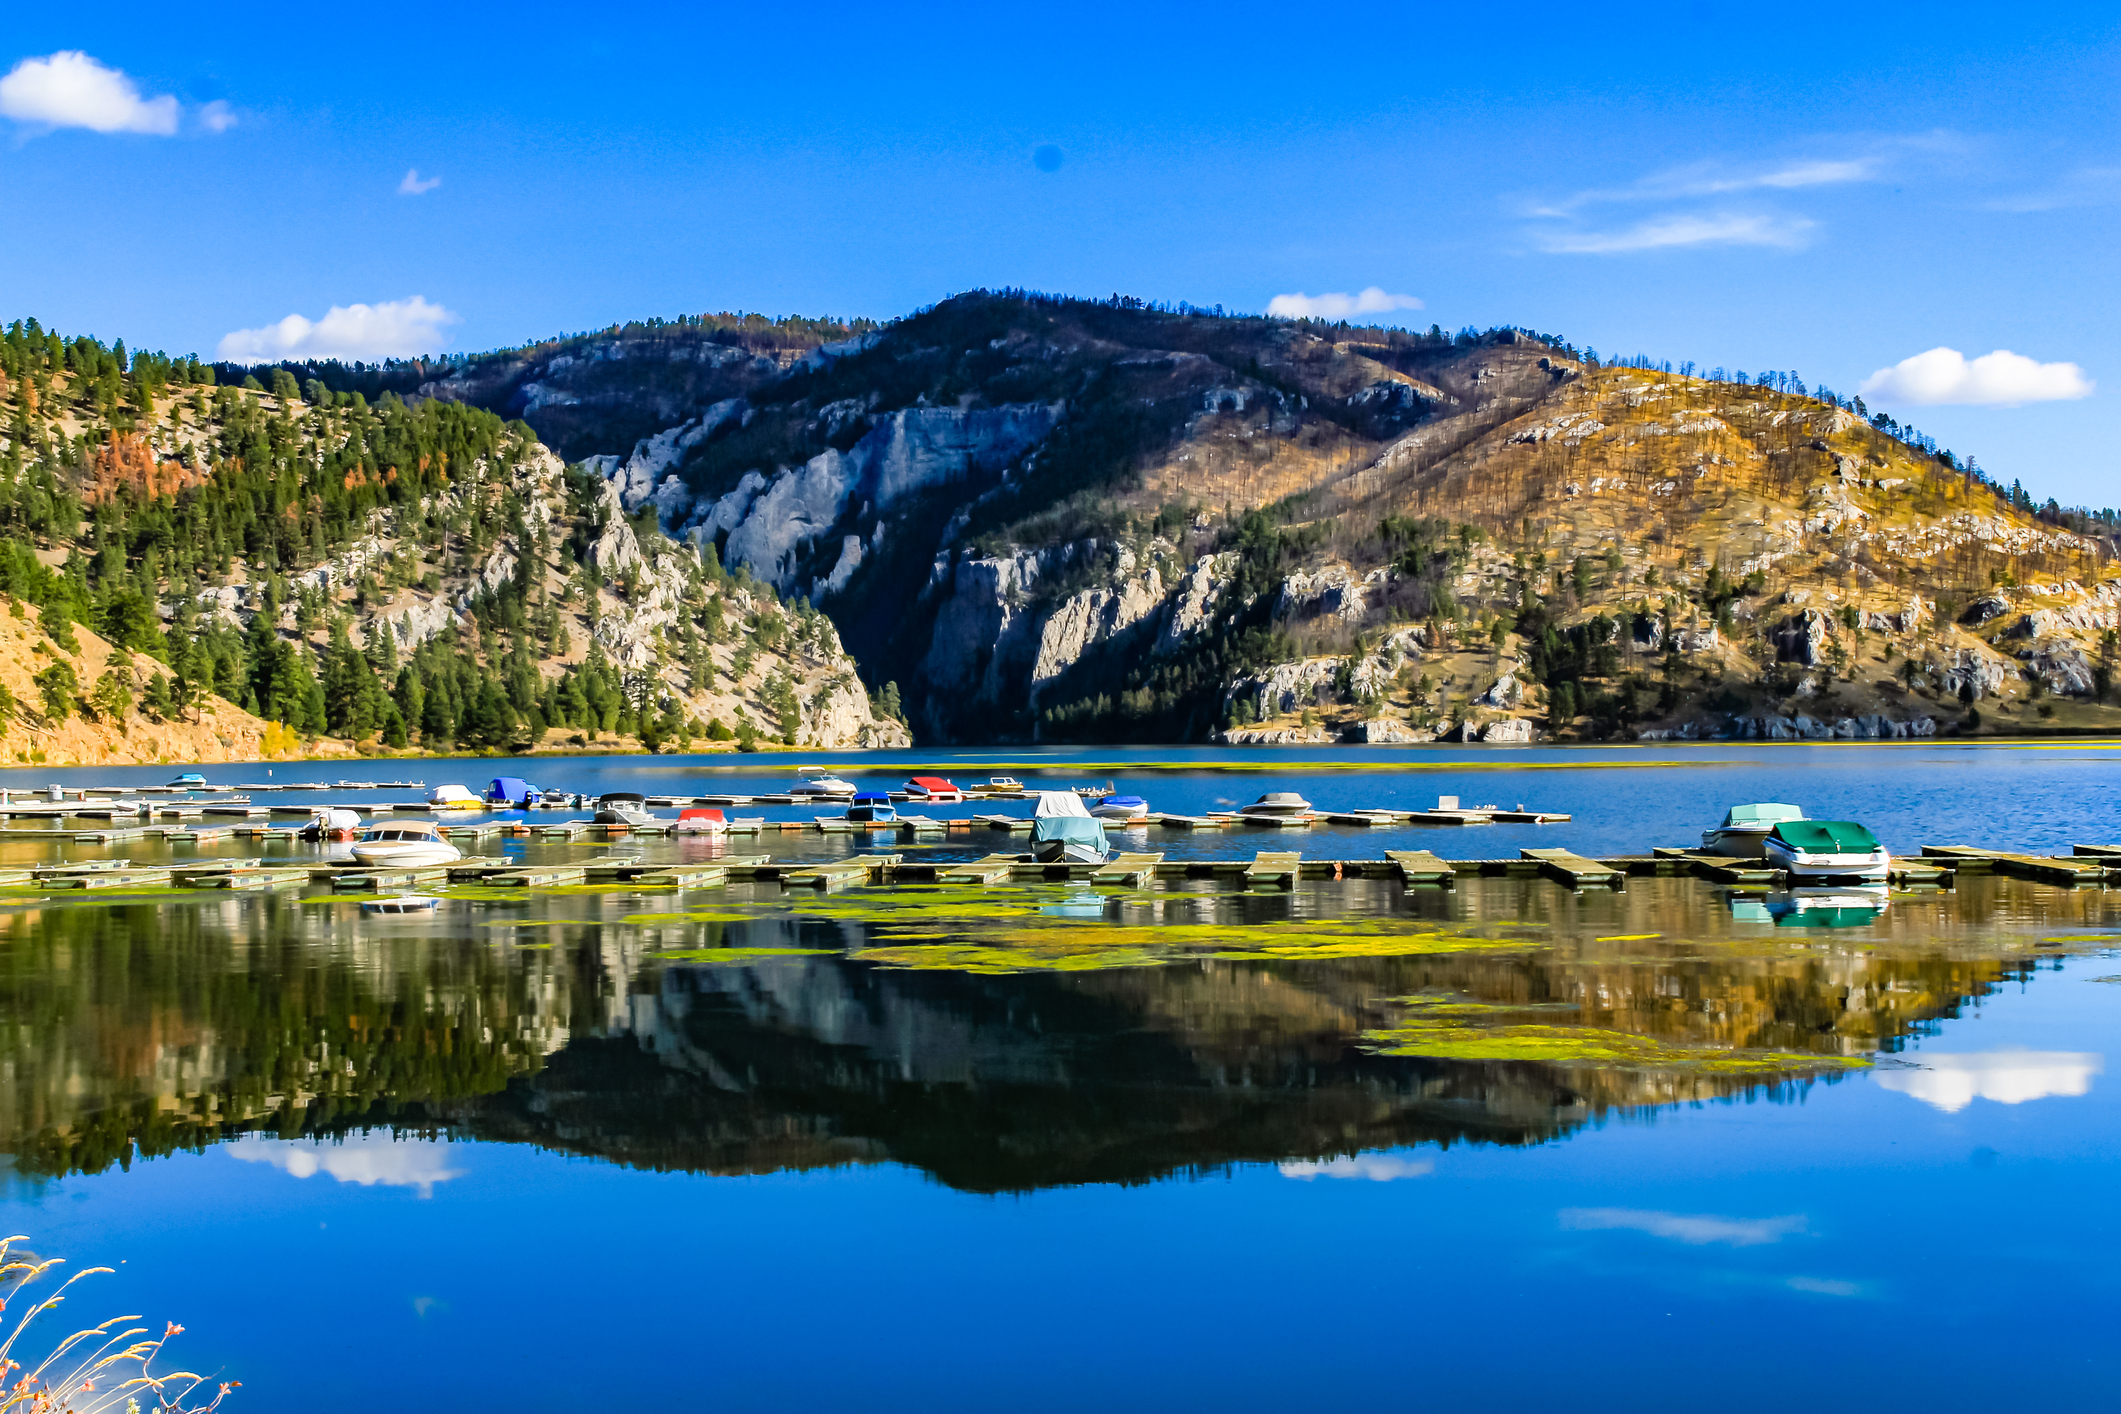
(1045, 1147)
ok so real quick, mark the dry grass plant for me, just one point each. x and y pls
(104, 1367)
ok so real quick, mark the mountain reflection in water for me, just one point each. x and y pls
(153, 1027)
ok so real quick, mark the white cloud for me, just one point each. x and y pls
(392, 329)
(1375, 1168)
(217, 116)
(1694, 1229)
(1675, 232)
(415, 185)
(1952, 1082)
(366, 1159)
(1998, 379)
(70, 90)
(1338, 306)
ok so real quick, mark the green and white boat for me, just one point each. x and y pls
(1745, 829)
(1826, 849)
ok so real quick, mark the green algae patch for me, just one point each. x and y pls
(647, 920)
(1442, 1038)
(1048, 954)
(736, 957)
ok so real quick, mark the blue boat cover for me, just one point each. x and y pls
(514, 790)
(871, 797)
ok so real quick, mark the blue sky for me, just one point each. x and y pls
(1826, 191)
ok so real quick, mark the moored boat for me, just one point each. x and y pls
(1003, 785)
(936, 790)
(700, 821)
(1121, 807)
(454, 798)
(511, 791)
(404, 844)
(1744, 831)
(872, 808)
(332, 824)
(1062, 831)
(623, 807)
(189, 780)
(1826, 849)
(817, 780)
(1276, 806)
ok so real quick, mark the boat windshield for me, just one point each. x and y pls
(1762, 814)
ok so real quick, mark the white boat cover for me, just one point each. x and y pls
(1060, 804)
(340, 819)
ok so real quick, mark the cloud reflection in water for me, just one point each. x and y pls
(366, 1159)
(1952, 1082)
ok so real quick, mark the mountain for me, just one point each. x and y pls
(1054, 519)
(390, 572)
(1015, 517)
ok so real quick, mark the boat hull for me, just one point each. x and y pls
(1737, 841)
(1869, 867)
(406, 854)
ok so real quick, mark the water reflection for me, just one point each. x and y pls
(728, 1041)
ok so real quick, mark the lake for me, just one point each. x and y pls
(1045, 1145)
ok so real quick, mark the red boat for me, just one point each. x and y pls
(701, 822)
(933, 789)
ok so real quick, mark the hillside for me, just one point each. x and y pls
(1015, 517)
(1075, 520)
(400, 575)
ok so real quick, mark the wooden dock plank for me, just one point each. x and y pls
(1419, 866)
(1573, 869)
(2067, 870)
(1279, 868)
(1133, 870)
(983, 872)
(862, 868)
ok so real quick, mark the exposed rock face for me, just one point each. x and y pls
(769, 522)
(1287, 686)
(1505, 691)
(1272, 736)
(1333, 590)
(1975, 668)
(1388, 731)
(1918, 612)
(1803, 728)
(1194, 603)
(1507, 729)
(1804, 638)
(2061, 667)
(1091, 617)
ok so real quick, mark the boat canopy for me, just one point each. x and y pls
(189, 778)
(699, 814)
(1127, 801)
(1069, 830)
(622, 797)
(1761, 814)
(1060, 805)
(933, 783)
(336, 819)
(514, 790)
(872, 797)
(453, 793)
(1826, 836)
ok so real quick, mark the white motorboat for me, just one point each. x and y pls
(1826, 849)
(1277, 807)
(1062, 831)
(1744, 831)
(1121, 807)
(404, 844)
(332, 824)
(624, 808)
(816, 780)
(454, 798)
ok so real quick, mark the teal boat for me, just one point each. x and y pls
(1826, 849)
(1744, 830)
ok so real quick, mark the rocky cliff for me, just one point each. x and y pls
(1091, 520)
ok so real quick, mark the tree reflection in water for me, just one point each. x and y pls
(147, 1028)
